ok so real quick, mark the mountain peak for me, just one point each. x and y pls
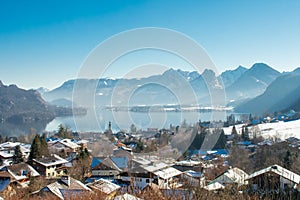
(208, 73)
(296, 71)
(261, 69)
(240, 68)
(261, 66)
(1, 84)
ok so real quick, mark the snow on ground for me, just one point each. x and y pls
(282, 130)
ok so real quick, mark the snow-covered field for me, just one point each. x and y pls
(280, 129)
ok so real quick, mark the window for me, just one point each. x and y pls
(48, 174)
(147, 180)
(52, 173)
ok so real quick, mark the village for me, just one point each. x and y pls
(149, 164)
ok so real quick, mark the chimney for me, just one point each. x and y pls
(66, 180)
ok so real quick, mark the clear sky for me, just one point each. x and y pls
(43, 43)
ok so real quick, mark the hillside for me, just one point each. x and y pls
(283, 93)
(253, 82)
(19, 106)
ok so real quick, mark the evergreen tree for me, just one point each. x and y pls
(44, 146)
(246, 137)
(132, 128)
(235, 135)
(35, 149)
(233, 131)
(63, 132)
(177, 129)
(287, 160)
(245, 134)
(18, 156)
(83, 153)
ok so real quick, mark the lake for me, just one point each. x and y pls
(98, 120)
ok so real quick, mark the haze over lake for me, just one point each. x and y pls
(123, 119)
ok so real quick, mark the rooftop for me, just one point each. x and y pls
(51, 160)
(104, 186)
(280, 171)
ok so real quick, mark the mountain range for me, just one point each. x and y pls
(257, 90)
(172, 87)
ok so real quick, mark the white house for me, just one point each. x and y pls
(234, 175)
(273, 177)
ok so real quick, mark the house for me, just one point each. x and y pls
(123, 152)
(5, 183)
(7, 158)
(106, 188)
(66, 146)
(168, 178)
(159, 173)
(186, 165)
(64, 188)
(7, 151)
(138, 177)
(21, 173)
(234, 175)
(14, 177)
(273, 178)
(105, 167)
(293, 141)
(51, 167)
(138, 161)
(193, 178)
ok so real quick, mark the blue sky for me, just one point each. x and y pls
(43, 43)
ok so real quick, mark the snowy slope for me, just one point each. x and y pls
(282, 130)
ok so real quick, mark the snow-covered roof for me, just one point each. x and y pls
(126, 197)
(167, 173)
(214, 186)
(6, 155)
(69, 143)
(188, 163)
(21, 171)
(104, 186)
(194, 174)
(9, 144)
(287, 174)
(141, 160)
(82, 142)
(50, 161)
(59, 186)
(155, 167)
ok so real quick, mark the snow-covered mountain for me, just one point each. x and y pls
(230, 76)
(173, 87)
(253, 82)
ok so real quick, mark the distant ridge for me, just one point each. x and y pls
(241, 85)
